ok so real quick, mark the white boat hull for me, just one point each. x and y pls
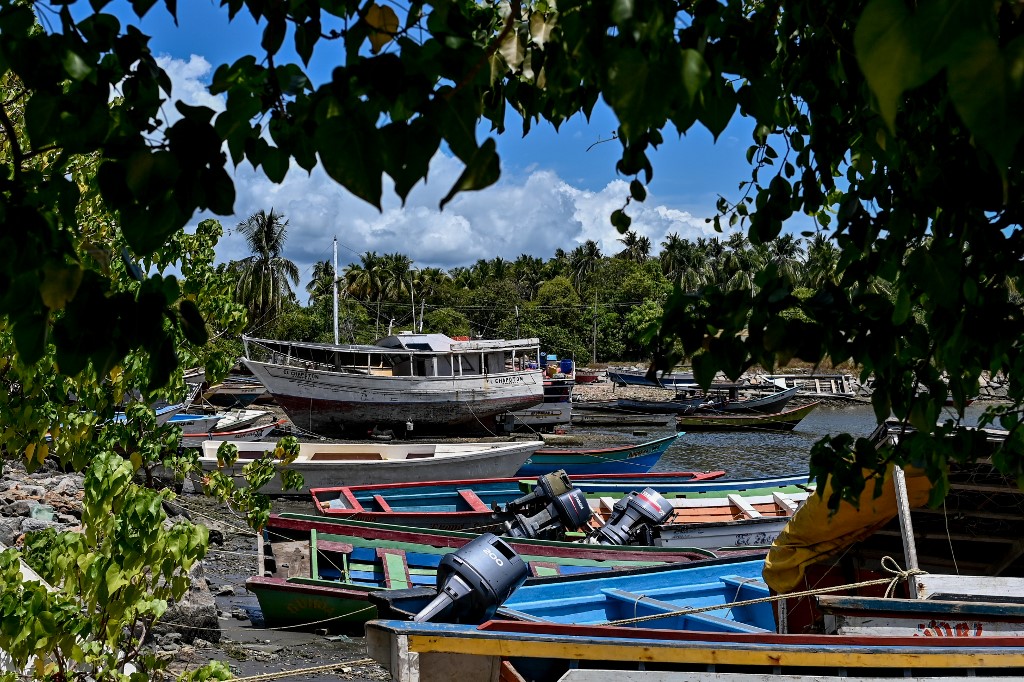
(336, 402)
(325, 465)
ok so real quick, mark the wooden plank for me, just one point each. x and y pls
(382, 503)
(474, 501)
(607, 503)
(974, 586)
(314, 571)
(906, 526)
(745, 507)
(785, 502)
(396, 570)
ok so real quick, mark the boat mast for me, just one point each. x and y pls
(335, 288)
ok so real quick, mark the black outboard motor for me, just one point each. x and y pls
(553, 505)
(633, 517)
(473, 581)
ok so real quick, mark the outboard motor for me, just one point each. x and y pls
(553, 505)
(473, 581)
(633, 516)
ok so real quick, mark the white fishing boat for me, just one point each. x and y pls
(249, 434)
(326, 464)
(404, 383)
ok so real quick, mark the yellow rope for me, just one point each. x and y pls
(888, 563)
(302, 671)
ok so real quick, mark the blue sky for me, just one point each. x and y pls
(553, 192)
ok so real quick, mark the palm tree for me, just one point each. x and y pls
(822, 262)
(583, 261)
(322, 282)
(528, 273)
(638, 247)
(785, 252)
(266, 277)
(363, 281)
(429, 282)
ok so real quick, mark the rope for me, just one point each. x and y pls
(888, 564)
(264, 677)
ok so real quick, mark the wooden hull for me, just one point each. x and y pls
(324, 464)
(632, 459)
(541, 651)
(353, 404)
(782, 421)
(638, 378)
(320, 572)
(251, 434)
(553, 549)
(751, 518)
(859, 616)
(766, 404)
(682, 406)
(620, 419)
(538, 418)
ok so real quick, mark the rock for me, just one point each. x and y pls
(195, 615)
(172, 648)
(201, 643)
(19, 508)
(216, 537)
(10, 529)
(68, 519)
(22, 490)
(32, 525)
(69, 485)
(226, 591)
(240, 614)
(169, 638)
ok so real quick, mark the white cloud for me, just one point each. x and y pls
(533, 213)
(189, 81)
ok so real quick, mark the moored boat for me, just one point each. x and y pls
(403, 383)
(780, 421)
(621, 459)
(244, 435)
(764, 404)
(320, 573)
(605, 418)
(743, 516)
(638, 377)
(323, 464)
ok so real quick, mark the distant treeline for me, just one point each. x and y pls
(574, 301)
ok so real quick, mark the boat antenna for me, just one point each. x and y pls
(335, 290)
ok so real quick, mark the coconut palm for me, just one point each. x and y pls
(583, 262)
(822, 261)
(786, 253)
(363, 281)
(322, 282)
(265, 278)
(638, 247)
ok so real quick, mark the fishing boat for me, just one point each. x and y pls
(194, 422)
(402, 383)
(765, 404)
(620, 419)
(324, 464)
(249, 434)
(539, 651)
(621, 459)
(680, 405)
(743, 516)
(237, 392)
(781, 421)
(321, 571)
(544, 417)
(638, 377)
(587, 376)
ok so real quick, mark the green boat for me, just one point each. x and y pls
(780, 421)
(318, 572)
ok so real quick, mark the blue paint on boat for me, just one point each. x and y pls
(631, 459)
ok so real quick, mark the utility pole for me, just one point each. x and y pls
(335, 287)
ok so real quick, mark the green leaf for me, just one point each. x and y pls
(637, 190)
(75, 66)
(980, 87)
(621, 221)
(30, 336)
(887, 54)
(695, 74)
(482, 171)
(349, 151)
(192, 323)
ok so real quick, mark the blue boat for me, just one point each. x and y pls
(620, 459)
(636, 377)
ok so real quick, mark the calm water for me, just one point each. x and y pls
(745, 455)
